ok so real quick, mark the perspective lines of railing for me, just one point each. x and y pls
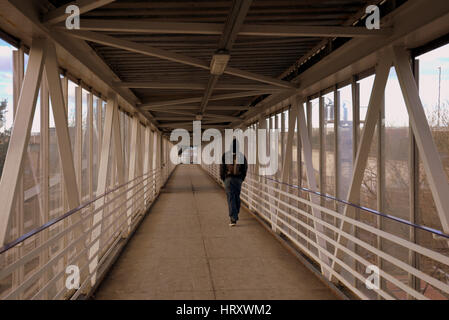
(353, 246)
(63, 258)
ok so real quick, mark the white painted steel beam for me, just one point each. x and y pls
(62, 130)
(18, 74)
(286, 165)
(78, 154)
(94, 250)
(192, 115)
(372, 116)
(90, 134)
(150, 105)
(146, 159)
(170, 56)
(311, 181)
(71, 188)
(59, 14)
(118, 147)
(12, 170)
(191, 107)
(436, 176)
(131, 26)
(132, 169)
(196, 86)
(312, 31)
(78, 58)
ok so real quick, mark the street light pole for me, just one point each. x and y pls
(439, 95)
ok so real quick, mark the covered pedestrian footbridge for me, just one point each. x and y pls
(346, 195)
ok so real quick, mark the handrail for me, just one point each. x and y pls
(274, 204)
(33, 253)
(53, 259)
(54, 221)
(375, 212)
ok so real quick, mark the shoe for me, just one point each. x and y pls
(233, 223)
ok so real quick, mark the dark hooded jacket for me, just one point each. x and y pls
(236, 166)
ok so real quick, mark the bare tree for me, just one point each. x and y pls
(4, 135)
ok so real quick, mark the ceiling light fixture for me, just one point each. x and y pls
(219, 63)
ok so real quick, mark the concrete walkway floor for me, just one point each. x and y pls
(184, 249)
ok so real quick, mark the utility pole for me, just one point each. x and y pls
(439, 95)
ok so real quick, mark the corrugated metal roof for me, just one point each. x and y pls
(268, 56)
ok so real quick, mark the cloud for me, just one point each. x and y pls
(431, 61)
(6, 59)
(6, 85)
(6, 89)
(5, 76)
(6, 81)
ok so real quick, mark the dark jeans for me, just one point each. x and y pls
(233, 186)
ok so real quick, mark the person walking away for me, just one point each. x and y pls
(233, 171)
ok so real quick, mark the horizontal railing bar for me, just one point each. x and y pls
(122, 217)
(64, 216)
(81, 270)
(119, 227)
(328, 268)
(335, 243)
(248, 188)
(311, 254)
(436, 283)
(35, 276)
(30, 255)
(388, 236)
(150, 185)
(36, 251)
(384, 215)
(78, 292)
(337, 260)
(316, 258)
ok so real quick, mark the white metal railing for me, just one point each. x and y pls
(34, 266)
(290, 213)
